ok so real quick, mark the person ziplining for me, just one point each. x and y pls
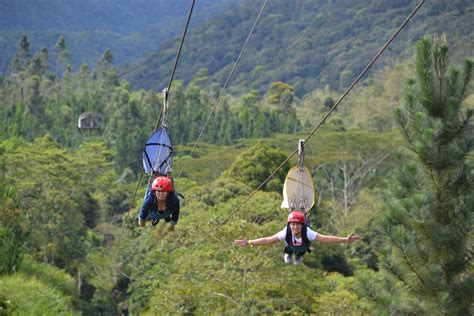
(297, 237)
(299, 221)
(298, 199)
(161, 200)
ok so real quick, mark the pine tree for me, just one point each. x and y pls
(40, 63)
(34, 106)
(10, 251)
(104, 71)
(16, 126)
(63, 59)
(129, 134)
(22, 57)
(429, 222)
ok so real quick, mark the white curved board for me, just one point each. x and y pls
(298, 189)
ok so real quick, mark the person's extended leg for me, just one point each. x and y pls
(298, 258)
(288, 255)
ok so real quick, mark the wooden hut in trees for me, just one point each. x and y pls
(90, 121)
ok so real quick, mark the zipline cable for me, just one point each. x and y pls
(224, 87)
(213, 108)
(317, 126)
(330, 110)
(178, 54)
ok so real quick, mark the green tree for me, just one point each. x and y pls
(10, 257)
(40, 63)
(49, 196)
(262, 125)
(429, 218)
(196, 112)
(328, 102)
(63, 59)
(348, 162)
(23, 295)
(344, 79)
(105, 71)
(130, 134)
(201, 79)
(256, 164)
(251, 98)
(22, 57)
(281, 95)
(34, 107)
(178, 113)
(16, 126)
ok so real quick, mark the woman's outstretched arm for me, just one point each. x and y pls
(255, 242)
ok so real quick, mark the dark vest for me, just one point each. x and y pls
(299, 250)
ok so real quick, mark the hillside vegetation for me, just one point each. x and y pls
(393, 164)
(131, 29)
(308, 44)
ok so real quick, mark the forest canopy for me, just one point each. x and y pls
(393, 164)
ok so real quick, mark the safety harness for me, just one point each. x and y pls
(298, 250)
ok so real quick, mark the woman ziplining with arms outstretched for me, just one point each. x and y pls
(297, 237)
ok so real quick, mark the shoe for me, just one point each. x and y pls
(287, 258)
(141, 223)
(154, 222)
(297, 260)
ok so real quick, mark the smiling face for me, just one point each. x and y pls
(161, 195)
(296, 228)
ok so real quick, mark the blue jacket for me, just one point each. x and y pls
(150, 208)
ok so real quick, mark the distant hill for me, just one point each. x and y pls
(307, 43)
(128, 28)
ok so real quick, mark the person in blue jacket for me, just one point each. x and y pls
(161, 202)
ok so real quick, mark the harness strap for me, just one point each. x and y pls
(304, 239)
(159, 144)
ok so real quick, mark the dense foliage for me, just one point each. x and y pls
(68, 230)
(10, 249)
(130, 30)
(305, 43)
(36, 101)
(427, 265)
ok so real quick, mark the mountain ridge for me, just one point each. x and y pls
(127, 29)
(308, 44)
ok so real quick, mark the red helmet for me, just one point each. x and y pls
(296, 217)
(162, 184)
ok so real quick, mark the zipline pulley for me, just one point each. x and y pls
(301, 153)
